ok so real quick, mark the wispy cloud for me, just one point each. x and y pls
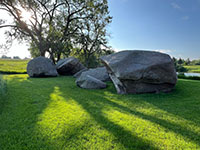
(185, 18)
(164, 50)
(176, 6)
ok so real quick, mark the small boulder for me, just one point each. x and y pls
(89, 82)
(140, 71)
(99, 73)
(41, 67)
(69, 66)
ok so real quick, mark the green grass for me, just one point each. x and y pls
(10, 66)
(2, 85)
(54, 114)
(193, 68)
(2, 92)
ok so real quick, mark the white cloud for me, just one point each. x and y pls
(164, 50)
(175, 6)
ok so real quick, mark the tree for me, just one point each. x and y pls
(16, 57)
(53, 23)
(187, 62)
(92, 36)
(5, 57)
(180, 61)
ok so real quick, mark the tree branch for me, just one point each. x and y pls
(4, 26)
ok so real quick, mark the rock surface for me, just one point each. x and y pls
(76, 75)
(69, 66)
(99, 73)
(89, 82)
(41, 67)
(141, 71)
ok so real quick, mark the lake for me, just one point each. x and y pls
(191, 74)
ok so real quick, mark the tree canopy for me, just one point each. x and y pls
(58, 26)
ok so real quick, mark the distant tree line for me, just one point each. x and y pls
(7, 57)
(180, 63)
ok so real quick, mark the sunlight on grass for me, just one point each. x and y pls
(194, 68)
(13, 66)
(139, 124)
(21, 78)
(60, 116)
(151, 110)
(53, 113)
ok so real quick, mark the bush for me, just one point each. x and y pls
(182, 76)
(180, 68)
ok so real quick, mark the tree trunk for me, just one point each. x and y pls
(59, 55)
(52, 58)
(42, 53)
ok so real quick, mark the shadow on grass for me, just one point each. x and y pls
(27, 99)
(184, 101)
(119, 131)
(128, 140)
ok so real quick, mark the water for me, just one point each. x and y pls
(190, 74)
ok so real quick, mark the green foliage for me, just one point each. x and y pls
(182, 76)
(10, 66)
(179, 65)
(34, 50)
(195, 62)
(47, 113)
(180, 68)
(180, 61)
(93, 60)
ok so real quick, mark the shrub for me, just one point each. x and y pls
(182, 76)
(180, 68)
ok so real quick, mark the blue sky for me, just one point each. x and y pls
(171, 26)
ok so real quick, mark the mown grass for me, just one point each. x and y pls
(11, 66)
(193, 68)
(53, 113)
(2, 85)
(2, 91)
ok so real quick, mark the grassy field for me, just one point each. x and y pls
(194, 68)
(11, 66)
(54, 114)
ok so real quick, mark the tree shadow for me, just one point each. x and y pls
(176, 128)
(93, 102)
(183, 101)
(25, 101)
(94, 107)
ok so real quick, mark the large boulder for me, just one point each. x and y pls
(99, 73)
(69, 66)
(89, 82)
(41, 67)
(141, 71)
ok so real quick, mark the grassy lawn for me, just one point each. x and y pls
(54, 114)
(194, 68)
(13, 66)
